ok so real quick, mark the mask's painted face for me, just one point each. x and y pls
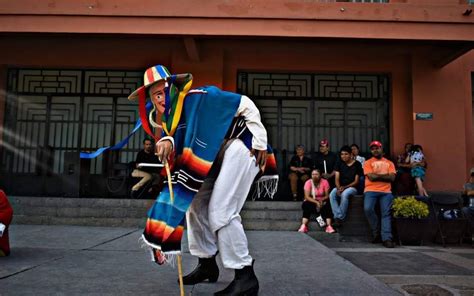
(157, 95)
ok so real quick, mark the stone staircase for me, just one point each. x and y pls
(256, 215)
(79, 211)
(271, 215)
(132, 212)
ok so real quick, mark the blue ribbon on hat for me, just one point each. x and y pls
(119, 145)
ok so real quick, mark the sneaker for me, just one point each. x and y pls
(320, 221)
(388, 244)
(329, 229)
(303, 228)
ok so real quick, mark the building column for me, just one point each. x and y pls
(442, 92)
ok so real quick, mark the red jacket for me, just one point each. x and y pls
(6, 215)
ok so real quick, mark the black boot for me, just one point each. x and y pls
(245, 283)
(205, 270)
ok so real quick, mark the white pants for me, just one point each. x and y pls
(213, 218)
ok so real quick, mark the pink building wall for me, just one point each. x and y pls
(402, 39)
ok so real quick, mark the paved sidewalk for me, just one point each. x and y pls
(76, 260)
(411, 270)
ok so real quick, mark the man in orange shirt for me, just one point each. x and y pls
(379, 173)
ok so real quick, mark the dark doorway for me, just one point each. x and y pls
(52, 115)
(303, 108)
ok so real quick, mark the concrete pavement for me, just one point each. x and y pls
(411, 270)
(79, 260)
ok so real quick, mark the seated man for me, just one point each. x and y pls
(325, 160)
(300, 167)
(146, 155)
(348, 172)
(6, 214)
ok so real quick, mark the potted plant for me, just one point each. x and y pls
(411, 219)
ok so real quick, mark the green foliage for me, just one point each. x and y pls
(409, 207)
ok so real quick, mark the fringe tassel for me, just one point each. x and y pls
(265, 186)
(170, 257)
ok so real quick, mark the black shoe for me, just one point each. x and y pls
(205, 270)
(377, 239)
(245, 283)
(388, 244)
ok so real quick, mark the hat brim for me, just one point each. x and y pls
(180, 79)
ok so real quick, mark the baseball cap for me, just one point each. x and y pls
(324, 142)
(375, 143)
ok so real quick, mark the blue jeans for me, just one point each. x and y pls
(385, 199)
(340, 209)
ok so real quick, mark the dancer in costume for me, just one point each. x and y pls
(218, 148)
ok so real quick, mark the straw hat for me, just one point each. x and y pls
(156, 74)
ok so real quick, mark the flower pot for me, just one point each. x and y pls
(411, 230)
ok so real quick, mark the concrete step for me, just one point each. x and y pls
(288, 215)
(256, 215)
(73, 212)
(82, 221)
(128, 212)
(24, 201)
(79, 211)
(273, 225)
(272, 205)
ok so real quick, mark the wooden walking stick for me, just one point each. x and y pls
(180, 265)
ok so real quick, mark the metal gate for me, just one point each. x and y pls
(52, 115)
(305, 108)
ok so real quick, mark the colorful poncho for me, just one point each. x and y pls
(205, 121)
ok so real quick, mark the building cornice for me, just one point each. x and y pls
(275, 18)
